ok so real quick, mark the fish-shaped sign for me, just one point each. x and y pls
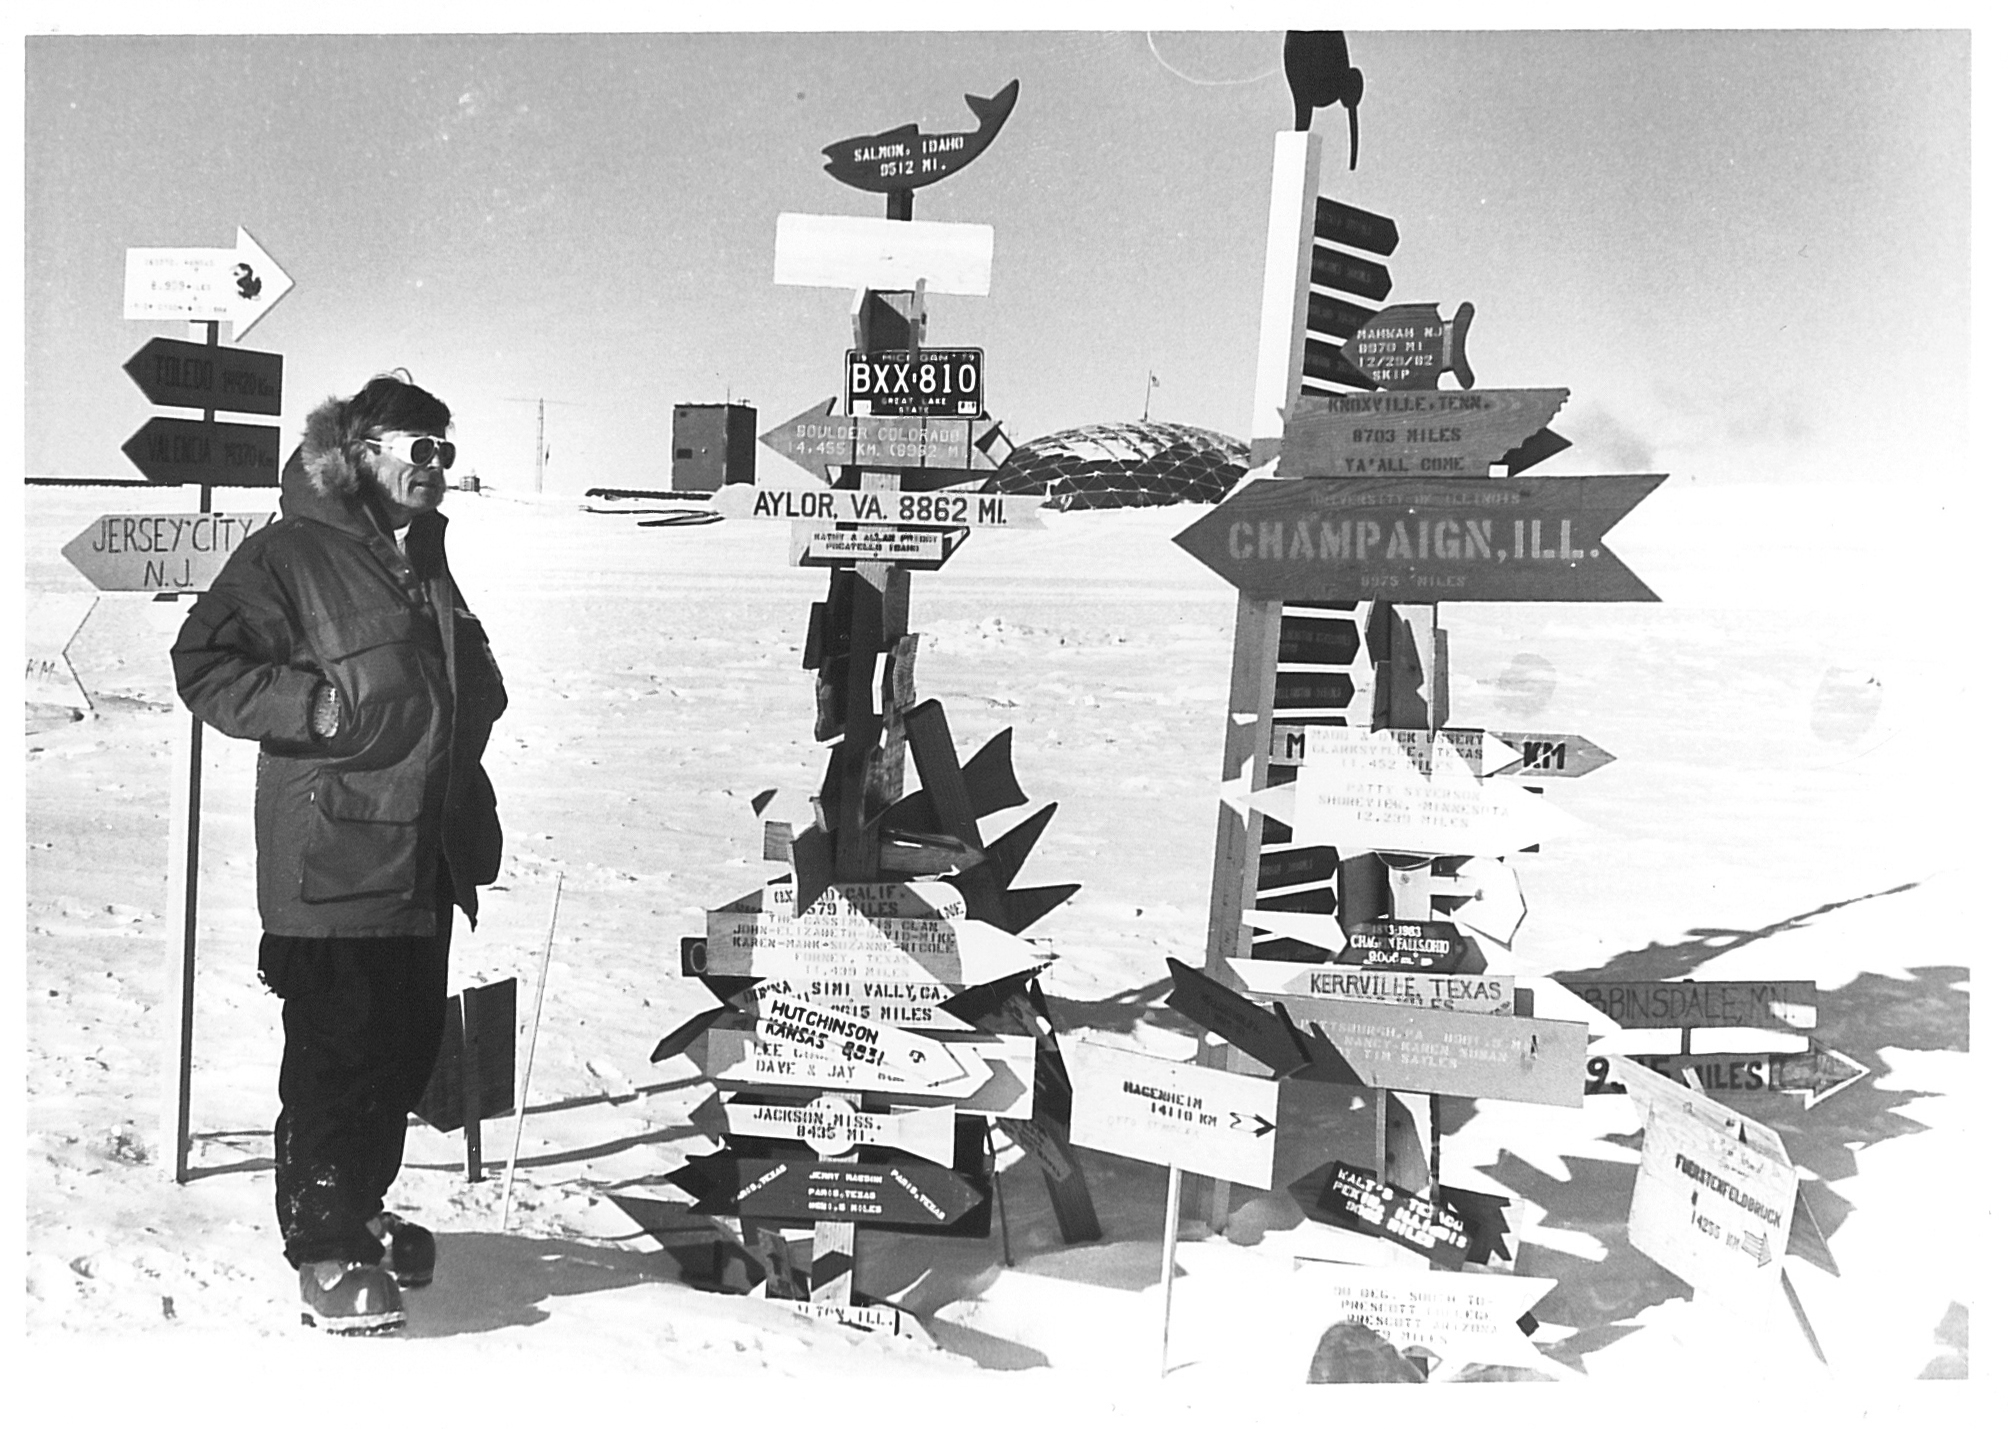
(905, 158)
(1405, 347)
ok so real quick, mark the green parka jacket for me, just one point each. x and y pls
(351, 829)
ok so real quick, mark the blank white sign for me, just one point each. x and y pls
(828, 251)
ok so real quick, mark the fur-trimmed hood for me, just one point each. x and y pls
(330, 452)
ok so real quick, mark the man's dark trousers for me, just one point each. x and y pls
(363, 1019)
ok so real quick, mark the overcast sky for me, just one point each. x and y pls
(1719, 241)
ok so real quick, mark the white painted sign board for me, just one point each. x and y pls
(1363, 789)
(1451, 992)
(1180, 1114)
(235, 285)
(1715, 1190)
(833, 251)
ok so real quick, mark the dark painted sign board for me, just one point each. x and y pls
(1356, 228)
(1428, 433)
(481, 1032)
(905, 1193)
(174, 373)
(905, 158)
(1408, 346)
(1355, 1200)
(177, 451)
(1515, 539)
(1394, 943)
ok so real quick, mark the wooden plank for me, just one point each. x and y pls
(1213, 1123)
(1490, 993)
(1423, 539)
(1464, 1054)
(839, 251)
(1782, 1004)
(1401, 433)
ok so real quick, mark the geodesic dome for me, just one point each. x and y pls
(1124, 464)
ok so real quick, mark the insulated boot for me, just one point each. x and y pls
(346, 1297)
(408, 1248)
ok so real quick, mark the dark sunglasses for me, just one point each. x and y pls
(415, 451)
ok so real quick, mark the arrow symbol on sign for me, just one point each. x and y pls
(1252, 1122)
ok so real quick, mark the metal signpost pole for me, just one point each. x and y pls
(184, 841)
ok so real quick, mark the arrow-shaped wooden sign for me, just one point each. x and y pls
(908, 1193)
(1790, 1004)
(1221, 1010)
(1000, 1084)
(1483, 752)
(1412, 433)
(1357, 1201)
(830, 1125)
(236, 285)
(1361, 789)
(817, 438)
(841, 938)
(1420, 1049)
(883, 508)
(181, 451)
(1199, 1119)
(864, 1053)
(161, 550)
(1423, 539)
(1459, 1320)
(1817, 1073)
(174, 373)
(1453, 992)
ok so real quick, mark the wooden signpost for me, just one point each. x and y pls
(861, 975)
(204, 287)
(1177, 1115)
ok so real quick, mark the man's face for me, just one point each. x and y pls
(407, 489)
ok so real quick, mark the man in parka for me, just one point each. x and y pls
(337, 639)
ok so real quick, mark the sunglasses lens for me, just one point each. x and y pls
(445, 455)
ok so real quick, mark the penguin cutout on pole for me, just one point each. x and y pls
(1320, 72)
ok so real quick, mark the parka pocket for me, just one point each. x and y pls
(362, 835)
(377, 661)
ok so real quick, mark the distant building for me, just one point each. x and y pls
(711, 445)
(1124, 464)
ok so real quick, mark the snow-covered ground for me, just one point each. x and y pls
(1790, 729)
